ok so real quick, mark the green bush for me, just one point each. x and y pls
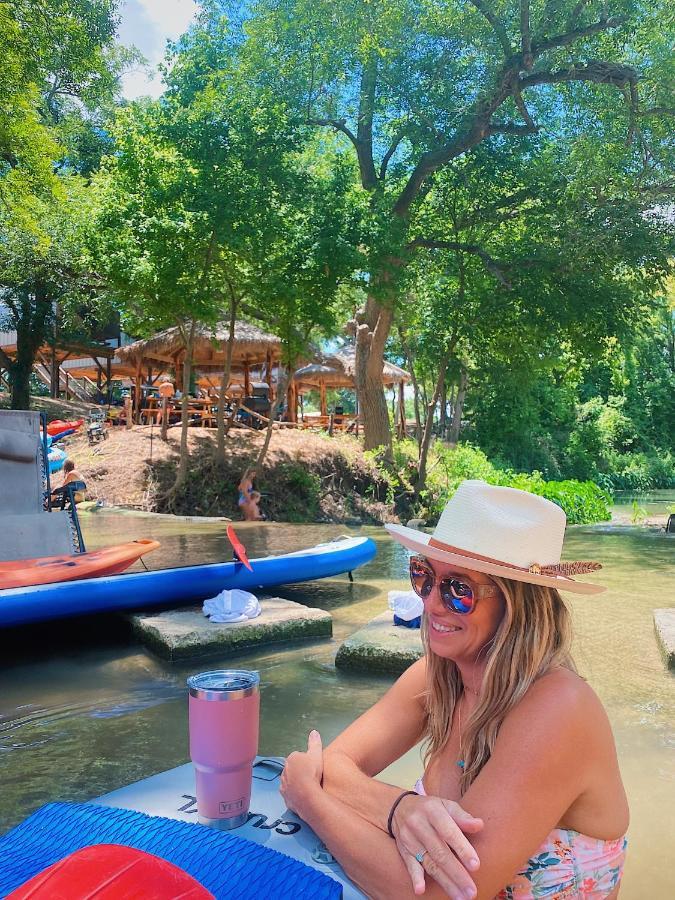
(582, 501)
(641, 471)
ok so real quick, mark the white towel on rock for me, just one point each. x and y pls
(232, 606)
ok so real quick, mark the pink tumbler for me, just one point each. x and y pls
(224, 718)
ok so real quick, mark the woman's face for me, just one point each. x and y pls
(457, 636)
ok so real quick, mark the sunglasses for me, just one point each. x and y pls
(457, 596)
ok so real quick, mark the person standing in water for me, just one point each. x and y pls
(249, 498)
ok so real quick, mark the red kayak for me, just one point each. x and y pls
(58, 426)
(50, 569)
(111, 872)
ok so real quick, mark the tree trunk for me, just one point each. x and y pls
(181, 471)
(453, 435)
(372, 330)
(443, 413)
(225, 378)
(276, 406)
(410, 362)
(428, 427)
(31, 321)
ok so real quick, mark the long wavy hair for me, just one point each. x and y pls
(534, 635)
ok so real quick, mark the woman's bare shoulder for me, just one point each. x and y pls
(564, 697)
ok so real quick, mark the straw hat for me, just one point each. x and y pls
(501, 531)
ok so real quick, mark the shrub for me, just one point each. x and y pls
(582, 501)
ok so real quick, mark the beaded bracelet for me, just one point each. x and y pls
(390, 820)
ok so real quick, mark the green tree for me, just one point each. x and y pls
(411, 86)
(59, 66)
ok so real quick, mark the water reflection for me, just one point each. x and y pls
(84, 710)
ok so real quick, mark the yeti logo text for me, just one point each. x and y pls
(231, 806)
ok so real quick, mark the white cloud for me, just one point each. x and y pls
(148, 25)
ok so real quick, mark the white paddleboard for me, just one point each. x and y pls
(172, 794)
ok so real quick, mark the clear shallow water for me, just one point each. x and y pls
(84, 710)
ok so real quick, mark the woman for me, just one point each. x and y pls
(512, 732)
(249, 499)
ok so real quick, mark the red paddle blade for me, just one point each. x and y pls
(238, 547)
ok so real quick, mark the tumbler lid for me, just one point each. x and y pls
(224, 684)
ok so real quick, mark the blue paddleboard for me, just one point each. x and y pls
(168, 587)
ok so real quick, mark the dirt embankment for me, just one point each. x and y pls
(307, 477)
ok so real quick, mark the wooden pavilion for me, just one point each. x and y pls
(338, 371)
(254, 351)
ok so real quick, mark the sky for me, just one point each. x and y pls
(148, 25)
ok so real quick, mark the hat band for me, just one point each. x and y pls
(439, 545)
(564, 570)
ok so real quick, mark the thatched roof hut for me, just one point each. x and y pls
(252, 346)
(253, 349)
(337, 370)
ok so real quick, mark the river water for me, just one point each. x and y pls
(85, 710)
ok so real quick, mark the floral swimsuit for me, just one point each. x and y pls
(568, 864)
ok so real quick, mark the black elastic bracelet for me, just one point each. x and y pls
(393, 809)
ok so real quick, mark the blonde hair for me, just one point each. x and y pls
(534, 636)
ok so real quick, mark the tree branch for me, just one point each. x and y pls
(599, 72)
(364, 130)
(576, 12)
(569, 37)
(338, 125)
(526, 40)
(512, 128)
(390, 152)
(522, 109)
(494, 268)
(497, 26)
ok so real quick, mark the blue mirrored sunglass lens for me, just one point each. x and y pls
(457, 596)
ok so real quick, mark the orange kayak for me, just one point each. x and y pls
(49, 569)
(57, 426)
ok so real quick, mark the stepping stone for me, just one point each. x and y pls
(186, 633)
(381, 647)
(664, 625)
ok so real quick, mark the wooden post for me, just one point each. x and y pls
(322, 397)
(67, 385)
(54, 386)
(137, 398)
(247, 379)
(108, 378)
(127, 412)
(268, 374)
(292, 401)
(165, 418)
(401, 408)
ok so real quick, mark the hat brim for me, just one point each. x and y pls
(418, 541)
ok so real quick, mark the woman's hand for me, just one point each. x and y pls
(438, 828)
(302, 773)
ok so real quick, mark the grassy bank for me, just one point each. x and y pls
(307, 477)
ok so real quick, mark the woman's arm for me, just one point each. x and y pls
(367, 854)
(376, 739)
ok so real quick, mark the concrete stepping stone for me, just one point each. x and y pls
(381, 647)
(664, 625)
(186, 633)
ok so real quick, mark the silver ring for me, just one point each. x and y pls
(419, 856)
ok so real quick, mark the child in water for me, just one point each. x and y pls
(249, 499)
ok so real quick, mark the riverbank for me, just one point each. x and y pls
(307, 477)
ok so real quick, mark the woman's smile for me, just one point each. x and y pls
(443, 628)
